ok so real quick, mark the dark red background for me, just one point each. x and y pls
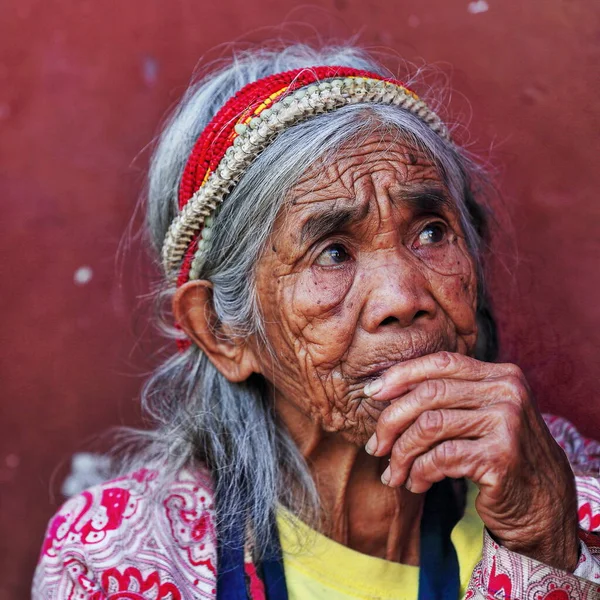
(83, 86)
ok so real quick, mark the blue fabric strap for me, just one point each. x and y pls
(231, 575)
(273, 572)
(439, 577)
(231, 578)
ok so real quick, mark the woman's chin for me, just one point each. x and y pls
(361, 427)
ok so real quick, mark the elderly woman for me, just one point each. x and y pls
(333, 425)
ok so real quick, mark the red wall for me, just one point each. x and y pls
(83, 85)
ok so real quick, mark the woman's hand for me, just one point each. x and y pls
(454, 416)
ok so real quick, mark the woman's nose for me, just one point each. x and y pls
(399, 294)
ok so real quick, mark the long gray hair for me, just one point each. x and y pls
(200, 416)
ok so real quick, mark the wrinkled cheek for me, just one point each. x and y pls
(322, 316)
(456, 292)
(452, 259)
(320, 293)
(457, 296)
(321, 322)
(458, 299)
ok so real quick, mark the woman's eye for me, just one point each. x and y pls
(332, 255)
(434, 233)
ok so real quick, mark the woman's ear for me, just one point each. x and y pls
(195, 314)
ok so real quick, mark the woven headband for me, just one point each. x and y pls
(245, 125)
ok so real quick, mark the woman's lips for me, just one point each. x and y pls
(375, 370)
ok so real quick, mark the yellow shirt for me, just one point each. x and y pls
(321, 569)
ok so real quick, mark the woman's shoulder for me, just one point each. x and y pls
(584, 455)
(583, 452)
(142, 530)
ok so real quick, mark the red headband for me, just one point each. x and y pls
(219, 134)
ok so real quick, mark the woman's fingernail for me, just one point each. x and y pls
(373, 387)
(386, 476)
(408, 484)
(371, 446)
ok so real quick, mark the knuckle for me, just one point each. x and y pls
(389, 416)
(419, 466)
(399, 451)
(404, 443)
(512, 370)
(515, 387)
(430, 423)
(512, 416)
(389, 419)
(443, 359)
(512, 412)
(446, 452)
(500, 413)
(430, 389)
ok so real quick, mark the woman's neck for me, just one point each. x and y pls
(358, 510)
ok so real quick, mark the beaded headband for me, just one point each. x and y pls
(245, 125)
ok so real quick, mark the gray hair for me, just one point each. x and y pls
(200, 415)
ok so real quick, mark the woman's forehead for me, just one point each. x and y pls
(354, 169)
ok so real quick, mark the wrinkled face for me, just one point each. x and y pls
(368, 267)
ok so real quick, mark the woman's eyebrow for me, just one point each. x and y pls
(330, 221)
(423, 200)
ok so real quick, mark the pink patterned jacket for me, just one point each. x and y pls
(120, 540)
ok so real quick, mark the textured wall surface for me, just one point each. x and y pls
(83, 86)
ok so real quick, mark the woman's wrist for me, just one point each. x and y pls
(560, 552)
